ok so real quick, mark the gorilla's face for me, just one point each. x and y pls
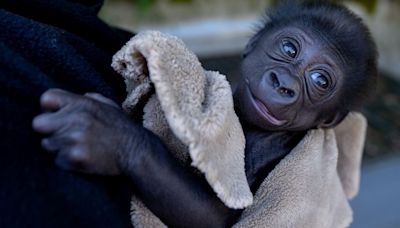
(291, 79)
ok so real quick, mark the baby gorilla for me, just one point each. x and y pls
(307, 67)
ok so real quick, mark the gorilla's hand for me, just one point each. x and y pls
(91, 134)
(88, 133)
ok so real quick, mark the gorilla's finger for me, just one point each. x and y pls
(52, 144)
(54, 99)
(101, 98)
(47, 123)
(72, 158)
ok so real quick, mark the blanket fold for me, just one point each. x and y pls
(191, 110)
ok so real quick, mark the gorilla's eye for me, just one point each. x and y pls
(320, 80)
(289, 48)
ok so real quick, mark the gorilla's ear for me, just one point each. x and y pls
(334, 120)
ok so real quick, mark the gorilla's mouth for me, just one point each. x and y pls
(264, 111)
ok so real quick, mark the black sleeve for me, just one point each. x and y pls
(45, 44)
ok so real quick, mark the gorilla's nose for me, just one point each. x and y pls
(285, 85)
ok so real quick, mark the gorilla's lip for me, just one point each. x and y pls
(264, 111)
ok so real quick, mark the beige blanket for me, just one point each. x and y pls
(311, 186)
(191, 109)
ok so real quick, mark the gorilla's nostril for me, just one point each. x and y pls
(286, 92)
(291, 93)
(274, 80)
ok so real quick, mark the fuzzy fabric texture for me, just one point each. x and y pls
(311, 186)
(192, 112)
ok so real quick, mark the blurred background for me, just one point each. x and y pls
(217, 31)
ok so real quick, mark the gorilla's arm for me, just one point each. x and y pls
(91, 134)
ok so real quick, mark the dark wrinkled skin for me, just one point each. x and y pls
(284, 85)
(79, 125)
(281, 95)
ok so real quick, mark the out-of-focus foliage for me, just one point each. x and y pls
(369, 5)
(180, 1)
(147, 3)
(143, 6)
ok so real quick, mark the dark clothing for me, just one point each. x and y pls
(264, 150)
(46, 44)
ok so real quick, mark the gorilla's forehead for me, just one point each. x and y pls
(306, 34)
